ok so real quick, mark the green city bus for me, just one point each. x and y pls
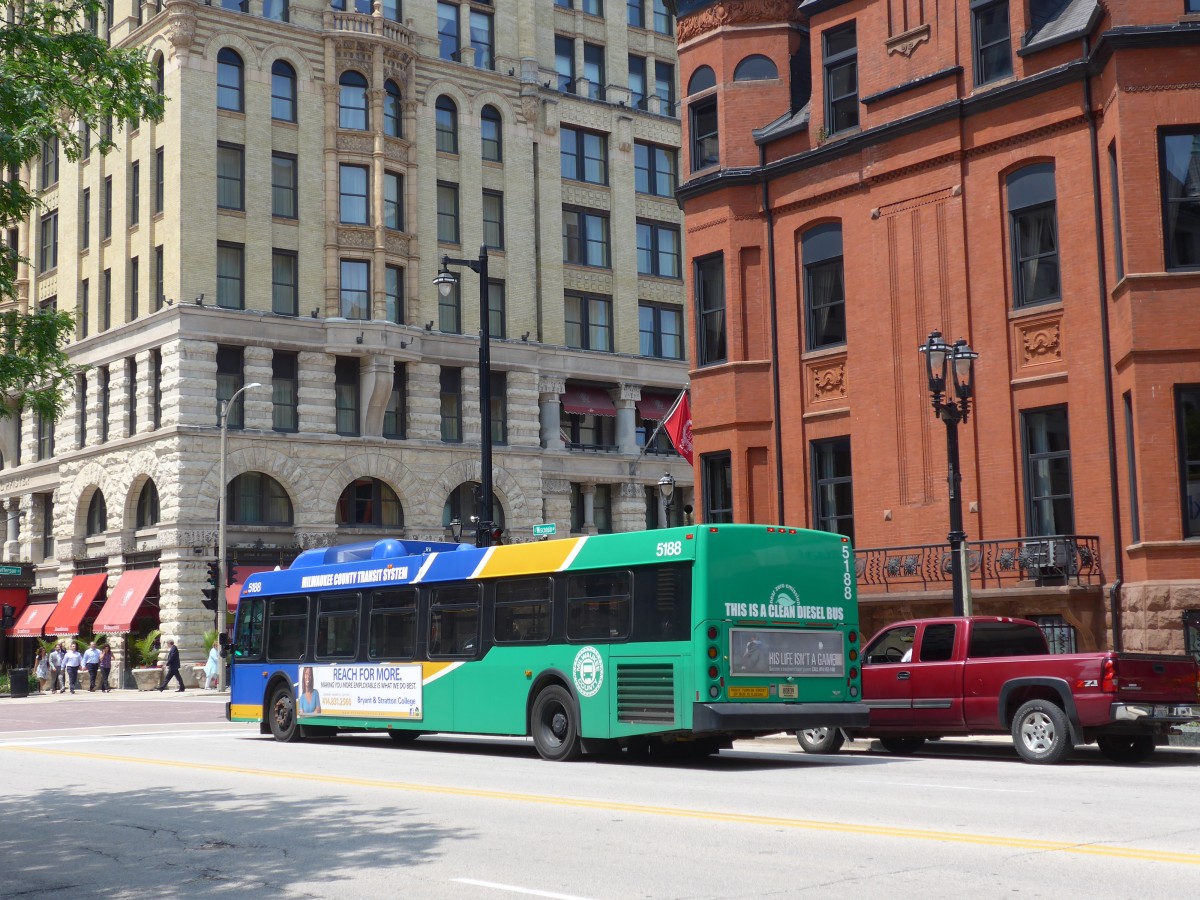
(677, 640)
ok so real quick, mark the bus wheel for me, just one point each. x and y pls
(555, 726)
(281, 714)
(403, 735)
(820, 740)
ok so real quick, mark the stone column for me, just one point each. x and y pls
(316, 393)
(588, 491)
(626, 403)
(257, 407)
(550, 411)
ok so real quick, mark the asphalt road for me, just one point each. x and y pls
(157, 796)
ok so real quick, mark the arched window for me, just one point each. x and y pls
(1033, 221)
(352, 102)
(824, 286)
(97, 516)
(446, 117)
(369, 503)
(462, 505)
(147, 507)
(755, 68)
(702, 79)
(229, 80)
(283, 91)
(257, 499)
(160, 74)
(276, 10)
(491, 128)
(393, 110)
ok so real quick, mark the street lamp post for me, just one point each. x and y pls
(666, 488)
(221, 517)
(445, 281)
(957, 362)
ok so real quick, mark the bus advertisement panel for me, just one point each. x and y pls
(678, 640)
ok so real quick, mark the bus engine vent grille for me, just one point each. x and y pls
(645, 692)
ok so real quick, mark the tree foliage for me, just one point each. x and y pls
(56, 75)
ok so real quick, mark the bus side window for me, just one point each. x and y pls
(662, 603)
(522, 611)
(393, 630)
(454, 629)
(287, 628)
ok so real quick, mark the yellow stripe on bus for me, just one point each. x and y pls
(528, 559)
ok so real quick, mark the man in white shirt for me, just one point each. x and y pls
(91, 659)
(72, 660)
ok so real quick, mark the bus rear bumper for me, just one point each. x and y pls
(772, 717)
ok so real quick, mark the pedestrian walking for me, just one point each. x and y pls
(55, 660)
(211, 668)
(72, 660)
(91, 661)
(41, 669)
(105, 668)
(172, 670)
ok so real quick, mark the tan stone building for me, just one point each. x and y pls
(283, 226)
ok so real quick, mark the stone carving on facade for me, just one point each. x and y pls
(195, 538)
(355, 143)
(353, 52)
(631, 490)
(828, 381)
(906, 42)
(551, 384)
(306, 540)
(556, 486)
(181, 26)
(737, 12)
(1041, 343)
(356, 238)
(395, 150)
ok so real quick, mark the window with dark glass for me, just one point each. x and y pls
(393, 201)
(991, 40)
(588, 432)
(824, 286)
(454, 621)
(499, 385)
(131, 375)
(497, 312)
(156, 389)
(664, 88)
(584, 155)
(709, 286)
(658, 250)
(254, 498)
(44, 436)
(654, 169)
(135, 193)
(599, 605)
(589, 324)
(337, 626)
(446, 124)
(229, 80)
(1187, 415)
(1114, 178)
(450, 310)
(49, 163)
(287, 628)
(448, 37)
(663, 18)
(106, 218)
(229, 382)
(85, 219)
(283, 185)
(285, 294)
(585, 238)
(393, 110)
(1135, 517)
(705, 132)
(393, 627)
(635, 13)
(755, 67)
(48, 243)
(833, 489)
(353, 203)
(346, 394)
(841, 78)
(352, 101)
(84, 308)
(491, 132)
(393, 294)
(450, 383)
(1180, 166)
(395, 415)
(97, 515)
(106, 301)
(660, 330)
(159, 276)
(482, 39)
(594, 71)
(369, 503)
(493, 220)
(522, 610)
(102, 384)
(231, 176)
(283, 91)
(159, 179)
(356, 289)
(45, 503)
(637, 82)
(1049, 499)
(231, 275)
(1034, 235)
(564, 63)
(447, 212)
(717, 477)
(285, 386)
(133, 288)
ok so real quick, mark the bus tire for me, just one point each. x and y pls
(403, 735)
(1041, 732)
(281, 715)
(820, 740)
(555, 725)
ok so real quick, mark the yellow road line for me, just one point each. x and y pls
(951, 837)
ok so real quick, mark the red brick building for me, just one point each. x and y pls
(1024, 174)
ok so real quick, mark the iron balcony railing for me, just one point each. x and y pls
(1043, 560)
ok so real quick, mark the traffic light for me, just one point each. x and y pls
(230, 573)
(214, 572)
(210, 598)
(9, 613)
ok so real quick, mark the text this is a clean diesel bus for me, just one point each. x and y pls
(679, 639)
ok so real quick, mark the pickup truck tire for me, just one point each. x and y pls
(1126, 748)
(1041, 732)
(902, 745)
(820, 740)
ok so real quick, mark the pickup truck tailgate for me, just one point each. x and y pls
(1146, 677)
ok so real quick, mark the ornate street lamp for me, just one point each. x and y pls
(666, 489)
(445, 281)
(954, 367)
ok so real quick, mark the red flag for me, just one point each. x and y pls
(678, 426)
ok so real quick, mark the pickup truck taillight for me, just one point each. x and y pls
(1108, 683)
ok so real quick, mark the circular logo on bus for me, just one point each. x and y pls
(588, 671)
(784, 595)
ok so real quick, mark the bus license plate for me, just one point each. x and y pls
(747, 693)
(789, 691)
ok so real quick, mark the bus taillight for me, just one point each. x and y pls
(713, 672)
(852, 637)
(853, 654)
(712, 632)
(713, 652)
(853, 672)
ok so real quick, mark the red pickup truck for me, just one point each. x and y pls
(928, 678)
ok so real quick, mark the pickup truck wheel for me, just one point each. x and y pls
(1041, 733)
(1126, 748)
(902, 745)
(820, 740)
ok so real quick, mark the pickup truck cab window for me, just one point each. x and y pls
(937, 643)
(892, 645)
(1006, 639)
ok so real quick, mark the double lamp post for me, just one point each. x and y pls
(945, 366)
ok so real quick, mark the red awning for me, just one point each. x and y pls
(124, 601)
(655, 406)
(587, 401)
(235, 590)
(73, 605)
(32, 621)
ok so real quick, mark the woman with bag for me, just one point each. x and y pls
(41, 669)
(105, 668)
